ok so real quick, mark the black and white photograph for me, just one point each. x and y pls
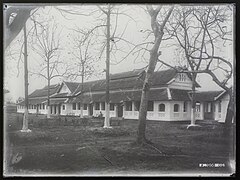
(114, 89)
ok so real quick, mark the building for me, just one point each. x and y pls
(169, 98)
(8, 105)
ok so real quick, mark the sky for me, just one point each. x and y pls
(133, 21)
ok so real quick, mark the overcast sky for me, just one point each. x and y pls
(134, 20)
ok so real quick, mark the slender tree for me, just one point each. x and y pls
(157, 29)
(83, 61)
(25, 118)
(46, 43)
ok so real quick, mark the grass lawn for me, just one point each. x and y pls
(91, 150)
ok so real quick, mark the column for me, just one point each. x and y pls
(57, 110)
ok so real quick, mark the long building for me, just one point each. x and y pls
(169, 98)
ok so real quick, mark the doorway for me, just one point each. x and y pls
(119, 110)
(90, 109)
(59, 109)
(208, 111)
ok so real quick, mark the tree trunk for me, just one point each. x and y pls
(145, 91)
(106, 121)
(158, 34)
(25, 117)
(48, 94)
(193, 101)
(107, 118)
(81, 104)
(81, 109)
(229, 116)
(141, 137)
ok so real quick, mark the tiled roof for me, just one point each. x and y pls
(43, 92)
(129, 74)
(206, 95)
(33, 101)
(57, 101)
(60, 95)
(121, 81)
(179, 95)
(71, 85)
(117, 97)
(132, 80)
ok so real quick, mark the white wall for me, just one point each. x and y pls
(68, 109)
(43, 111)
(168, 115)
(220, 116)
(20, 109)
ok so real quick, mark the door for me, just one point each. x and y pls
(119, 110)
(90, 109)
(59, 109)
(208, 110)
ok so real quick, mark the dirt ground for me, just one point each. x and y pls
(92, 151)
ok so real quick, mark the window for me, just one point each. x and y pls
(103, 105)
(136, 105)
(85, 107)
(150, 106)
(182, 77)
(219, 106)
(176, 108)
(111, 107)
(63, 107)
(97, 106)
(128, 106)
(79, 106)
(43, 106)
(40, 106)
(198, 105)
(74, 106)
(51, 109)
(185, 106)
(161, 107)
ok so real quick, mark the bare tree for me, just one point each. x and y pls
(157, 29)
(107, 17)
(46, 43)
(199, 31)
(83, 64)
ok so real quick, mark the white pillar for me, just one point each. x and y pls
(115, 110)
(124, 109)
(57, 110)
(81, 110)
(48, 111)
(133, 109)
